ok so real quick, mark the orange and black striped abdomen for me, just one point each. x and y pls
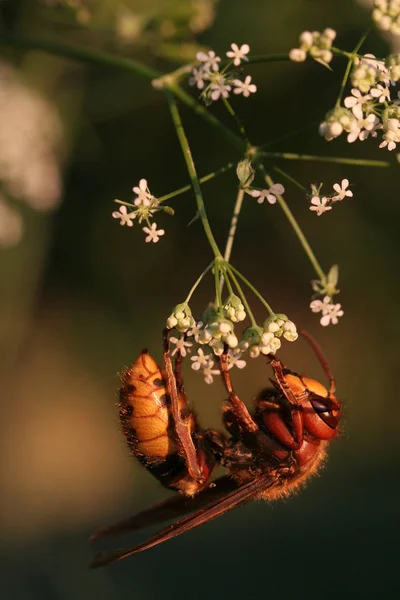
(145, 413)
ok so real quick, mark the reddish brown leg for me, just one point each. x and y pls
(280, 378)
(242, 414)
(294, 406)
(183, 424)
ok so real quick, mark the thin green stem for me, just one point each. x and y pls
(297, 229)
(341, 160)
(290, 178)
(289, 135)
(176, 118)
(232, 229)
(266, 58)
(228, 283)
(198, 281)
(233, 225)
(203, 179)
(96, 57)
(205, 114)
(349, 65)
(251, 287)
(239, 123)
(125, 203)
(229, 269)
(107, 59)
(218, 293)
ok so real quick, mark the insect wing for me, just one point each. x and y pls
(171, 508)
(215, 509)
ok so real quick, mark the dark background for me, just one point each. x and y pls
(81, 296)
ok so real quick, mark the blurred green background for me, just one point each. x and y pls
(80, 296)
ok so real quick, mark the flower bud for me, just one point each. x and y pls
(245, 172)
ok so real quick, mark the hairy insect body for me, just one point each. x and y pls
(268, 453)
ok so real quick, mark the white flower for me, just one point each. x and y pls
(381, 92)
(124, 216)
(238, 54)
(321, 305)
(235, 360)
(246, 88)
(180, 345)
(297, 55)
(387, 15)
(334, 311)
(273, 345)
(320, 205)
(364, 77)
(210, 60)
(364, 128)
(356, 101)
(290, 331)
(153, 233)
(143, 194)
(209, 372)
(261, 195)
(199, 76)
(220, 88)
(195, 331)
(372, 61)
(391, 136)
(217, 346)
(341, 190)
(201, 360)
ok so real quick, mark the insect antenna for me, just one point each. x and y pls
(321, 357)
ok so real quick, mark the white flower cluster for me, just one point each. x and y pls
(330, 311)
(218, 84)
(181, 318)
(386, 15)
(144, 205)
(321, 204)
(369, 109)
(217, 332)
(315, 44)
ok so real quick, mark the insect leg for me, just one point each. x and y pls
(183, 425)
(242, 415)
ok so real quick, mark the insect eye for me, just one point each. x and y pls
(323, 407)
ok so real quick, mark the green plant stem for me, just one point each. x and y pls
(218, 294)
(192, 173)
(233, 225)
(266, 58)
(96, 57)
(349, 65)
(230, 269)
(198, 281)
(239, 123)
(341, 160)
(251, 287)
(290, 178)
(291, 134)
(297, 229)
(107, 59)
(228, 283)
(203, 179)
(232, 229)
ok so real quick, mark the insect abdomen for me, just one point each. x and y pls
(145, 412)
